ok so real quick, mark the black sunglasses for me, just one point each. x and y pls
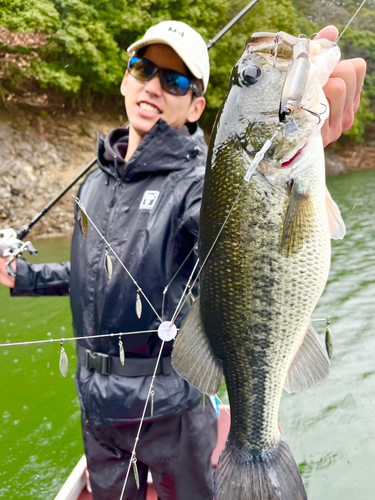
(171, 81)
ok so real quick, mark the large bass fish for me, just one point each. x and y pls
(264, 273)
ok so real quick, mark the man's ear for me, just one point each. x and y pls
(124, 82)
(196, 109)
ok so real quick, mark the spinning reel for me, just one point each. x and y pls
(11, 246)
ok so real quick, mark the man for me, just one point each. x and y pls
(145, 199)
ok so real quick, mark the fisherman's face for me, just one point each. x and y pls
(147, 102)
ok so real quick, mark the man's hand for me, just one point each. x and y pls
(5, 279)
(343, 91)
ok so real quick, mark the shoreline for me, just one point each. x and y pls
(41, 154)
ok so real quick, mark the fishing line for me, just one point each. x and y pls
(222, 404)
(133, 459)
(250, 171)
(174, 276)
(187, 287)
(105, 335)
(49, 341)
(359, 8)
(139, 290)
(210, 250)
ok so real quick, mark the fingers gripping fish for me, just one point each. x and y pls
(267, 270)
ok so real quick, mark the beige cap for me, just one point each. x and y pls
(185, 41)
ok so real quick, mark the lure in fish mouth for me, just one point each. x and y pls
(265, 228)
(276, 91)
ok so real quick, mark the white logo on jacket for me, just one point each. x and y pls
(149, 199)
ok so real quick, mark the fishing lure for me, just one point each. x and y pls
(63, 363)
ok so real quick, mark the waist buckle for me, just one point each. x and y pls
(98, 361)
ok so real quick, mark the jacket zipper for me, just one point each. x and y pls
(114, 199)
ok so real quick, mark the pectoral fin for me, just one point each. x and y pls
(192, 357)
(299, 221)
(335, 222)
(310, 365)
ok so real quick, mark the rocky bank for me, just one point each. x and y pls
(39, 155)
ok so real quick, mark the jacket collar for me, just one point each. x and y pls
(163, 149)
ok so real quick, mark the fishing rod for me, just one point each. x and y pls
(25, 230)
(231, 23)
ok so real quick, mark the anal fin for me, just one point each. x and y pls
(192, 357)
(309, 366)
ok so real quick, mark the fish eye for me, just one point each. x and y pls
(250, 75)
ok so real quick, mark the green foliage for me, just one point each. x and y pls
(29, 15)
(77, 48)
(369, 88)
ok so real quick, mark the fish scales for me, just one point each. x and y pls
(252, 320)
(262, 277)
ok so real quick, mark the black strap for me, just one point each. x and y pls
(133, 367)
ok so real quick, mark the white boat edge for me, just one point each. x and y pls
(75, 483)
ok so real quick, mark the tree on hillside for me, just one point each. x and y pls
(58, 51)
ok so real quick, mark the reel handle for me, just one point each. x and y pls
(32, 250)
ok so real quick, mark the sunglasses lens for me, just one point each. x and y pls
(174, 83)
(171, 81)
(141, 69)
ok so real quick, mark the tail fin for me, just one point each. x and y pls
(268, 475)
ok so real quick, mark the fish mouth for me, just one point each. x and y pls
(288, 162)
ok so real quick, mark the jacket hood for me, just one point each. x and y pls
(163, 149)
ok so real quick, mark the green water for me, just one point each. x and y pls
(330, 428)
(39, 413)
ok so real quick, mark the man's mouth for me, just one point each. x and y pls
(149, 108)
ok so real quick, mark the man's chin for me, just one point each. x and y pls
(142, 128)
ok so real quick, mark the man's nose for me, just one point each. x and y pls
(154, 86)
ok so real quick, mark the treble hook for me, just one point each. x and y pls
(302, 36)
(314, 113)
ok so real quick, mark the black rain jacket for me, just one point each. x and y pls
(148, 210)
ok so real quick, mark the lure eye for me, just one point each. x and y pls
(286, 112)
(250, 75)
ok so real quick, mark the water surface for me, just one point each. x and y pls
(40, 438)
(330, 428)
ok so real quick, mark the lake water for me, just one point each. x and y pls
(330, 428)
